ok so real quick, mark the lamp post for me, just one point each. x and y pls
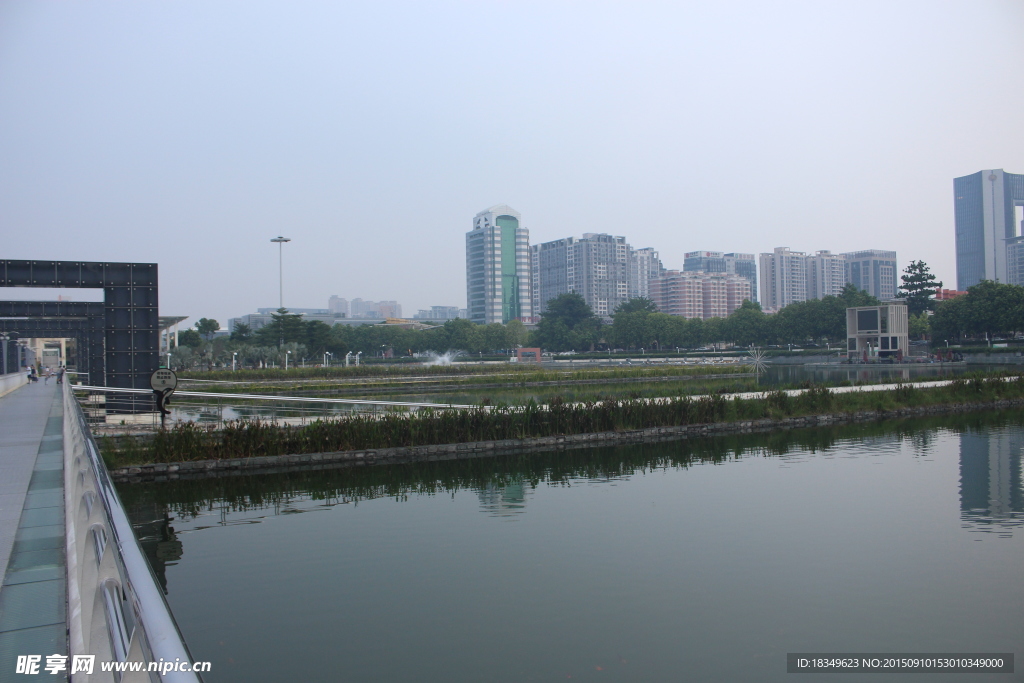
(234, 355)
(4, 338)
(280, 267)
(286, 354)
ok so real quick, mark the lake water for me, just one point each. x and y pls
(689, 561)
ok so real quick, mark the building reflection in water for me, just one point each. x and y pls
(991, 497)
(503, 501)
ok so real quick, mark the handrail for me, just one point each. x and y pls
(272, 397)
(116, 609)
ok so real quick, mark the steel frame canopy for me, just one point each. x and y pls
(118, 340)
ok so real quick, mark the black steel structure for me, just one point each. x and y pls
(118, 341)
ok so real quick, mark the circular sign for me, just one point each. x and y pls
(163, 379)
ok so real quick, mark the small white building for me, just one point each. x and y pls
(874, 332)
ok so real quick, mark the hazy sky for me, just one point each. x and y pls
(190, 133)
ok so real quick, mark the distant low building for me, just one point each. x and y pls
(441, 313)
(946, 294)
(264, 316)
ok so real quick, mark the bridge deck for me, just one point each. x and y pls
(33, 602)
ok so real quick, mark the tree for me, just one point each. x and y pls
(283, 327)
(207, 327)
(515, 334)
(919, 326)
(460, 335)
(631, 326)
(242, 333)
(190, 338)
(856, 297)
(993, 307)
(919, 286)
(568, 323)
(950, 320)
(637, 305)
(747, 324)
(318, 336)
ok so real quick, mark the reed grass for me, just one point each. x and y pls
(245, 439)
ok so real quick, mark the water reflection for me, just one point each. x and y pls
(991, 496)
(990, 444)
(504, 501)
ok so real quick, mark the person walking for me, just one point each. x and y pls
(60, 375)
(46, 375)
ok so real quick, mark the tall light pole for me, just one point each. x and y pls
(280, 266)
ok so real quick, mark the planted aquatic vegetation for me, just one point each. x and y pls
(245, 439)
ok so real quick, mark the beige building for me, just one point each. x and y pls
(695, 294)
(876, 332)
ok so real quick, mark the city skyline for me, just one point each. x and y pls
(629, 120)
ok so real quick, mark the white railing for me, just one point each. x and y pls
(12, 381)
(116, 609)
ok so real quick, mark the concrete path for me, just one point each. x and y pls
(33, 602)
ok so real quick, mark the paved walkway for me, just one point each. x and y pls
(33, 592)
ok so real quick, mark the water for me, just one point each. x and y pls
(697, 561)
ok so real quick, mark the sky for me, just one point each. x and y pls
(191, 133)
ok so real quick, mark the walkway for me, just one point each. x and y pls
(32, 542)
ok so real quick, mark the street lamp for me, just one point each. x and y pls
(234, 354)
(286, 354)
(280, 266)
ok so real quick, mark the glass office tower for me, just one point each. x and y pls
(985, 206)
(498, 267)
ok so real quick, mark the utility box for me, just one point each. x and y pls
(877, 332)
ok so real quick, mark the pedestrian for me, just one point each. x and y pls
(46, 375)
(60, 375)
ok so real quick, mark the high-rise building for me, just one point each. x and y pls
(826, 274)
(743, 265)
(646, 266)
(697, 294)
(338, 305)
(375, 309)
(985, 206)
(783, 278)
(874, 271)
(598, 267)
(498, 282)
(1015, 260)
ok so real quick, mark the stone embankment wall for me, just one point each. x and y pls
(478, 449)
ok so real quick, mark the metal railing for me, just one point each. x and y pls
(116, 609)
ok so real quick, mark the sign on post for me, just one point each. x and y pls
(163, 382)
(163, 379)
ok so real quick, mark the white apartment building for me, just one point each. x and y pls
(783, 278)
(826, 274)
(646, 266)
